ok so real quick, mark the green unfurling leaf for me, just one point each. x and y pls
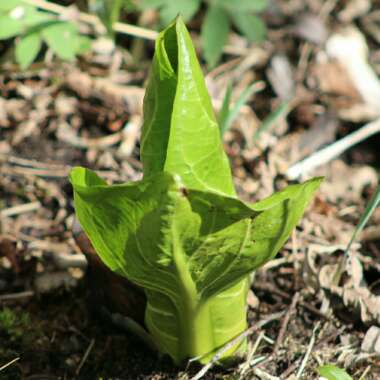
(180, 133)
(181, 233)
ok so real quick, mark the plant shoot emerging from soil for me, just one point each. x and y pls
(181, 233)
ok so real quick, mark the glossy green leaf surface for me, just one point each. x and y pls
(180, 134)
(181, 233)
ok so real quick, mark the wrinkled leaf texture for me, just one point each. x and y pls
(181, 233)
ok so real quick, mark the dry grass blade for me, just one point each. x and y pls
(332, 151)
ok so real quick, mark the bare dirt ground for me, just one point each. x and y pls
(58, 115)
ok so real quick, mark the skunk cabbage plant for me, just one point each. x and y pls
(181, 233)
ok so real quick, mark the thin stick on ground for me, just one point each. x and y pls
(119, 27)
(16, 296)
(272, 289)
(308, 352)
(9, 363)
(234, 342)
(85, 356)
(20, 209)
(284, 323)
(332, 151)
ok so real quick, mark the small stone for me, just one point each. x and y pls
(371, 341)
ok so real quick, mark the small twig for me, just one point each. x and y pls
(9, 363)
(20, 209)
(234, 342)
(85, 356)
(16, 296)
(272, 289)
(364, 374)
(119, 27)
(332, 151)
(321, 343)
(308, 352)
(284, 323)
(252, 352)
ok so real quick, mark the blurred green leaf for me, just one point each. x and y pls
(27, 49)
(108, 11)
(61, 37)
(280, 111)
(224, 111)
(9, 27)
(33, 17)
(332, 372)
(371, 206)
(243, 5)
(234, 111)
(169, 9)
(83, 44)
(6, 6)
(215, 28)
(251, 26)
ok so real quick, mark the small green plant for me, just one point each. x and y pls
(32, 27)
(13, 324)
(181, 233)
(220, 16)
(332, 372)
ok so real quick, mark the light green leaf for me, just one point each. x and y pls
(27, 49)
(61, 37)
(9, 27)
(108, 11)
(234, 111)
(331, 372)
(251, 26)
(83, 44)
(177, 101)
(371, 206)
(180, 233)
(190, 250)
(243, 5)
(170, 9)
(6, 6)
(225, 110)
(33, 17)
(214, 34)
